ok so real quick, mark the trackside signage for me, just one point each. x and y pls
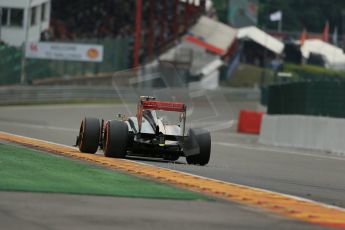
(64, 51)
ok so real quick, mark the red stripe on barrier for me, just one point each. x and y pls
(206, 45)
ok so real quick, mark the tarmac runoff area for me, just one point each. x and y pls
(236, 217)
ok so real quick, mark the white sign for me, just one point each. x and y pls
(64, 51)
(276, 16)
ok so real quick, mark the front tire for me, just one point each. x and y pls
(89, 134)
(203, 139)
(115, 139)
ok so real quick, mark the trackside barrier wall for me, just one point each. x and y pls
(43, 94)
(309, 132)
(317, 98)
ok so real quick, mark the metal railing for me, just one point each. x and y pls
(51, 94)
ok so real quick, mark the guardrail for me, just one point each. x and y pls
(47, 94)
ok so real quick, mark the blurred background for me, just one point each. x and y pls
(63, 50)
(246, 42)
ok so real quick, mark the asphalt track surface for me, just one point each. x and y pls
(235, 158)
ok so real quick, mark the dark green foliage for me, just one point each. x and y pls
(311, 72)
(297, 14)
(300, 14)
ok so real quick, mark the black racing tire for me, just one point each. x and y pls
(115, 139)
(89, 135)
(203, 139)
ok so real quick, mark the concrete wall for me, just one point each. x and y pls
(310, 132)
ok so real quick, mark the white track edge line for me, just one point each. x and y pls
(261, 148)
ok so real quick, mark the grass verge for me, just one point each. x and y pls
(24, 169)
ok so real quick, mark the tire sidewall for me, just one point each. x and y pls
(115, 139)
(89, 135)
(203, 139)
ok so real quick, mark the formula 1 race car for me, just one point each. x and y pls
(146, 135)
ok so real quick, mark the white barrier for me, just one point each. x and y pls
(310, 132)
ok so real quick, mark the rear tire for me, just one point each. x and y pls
(115, 139)
(203, 138)
(89, 135)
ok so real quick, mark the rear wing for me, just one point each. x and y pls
(150, 103)
(164, 105)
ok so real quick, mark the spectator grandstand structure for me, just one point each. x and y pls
(153, 24)
(131, 32)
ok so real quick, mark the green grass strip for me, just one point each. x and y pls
(24, 169)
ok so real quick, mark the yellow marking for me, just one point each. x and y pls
(285, 205)
(161, 145)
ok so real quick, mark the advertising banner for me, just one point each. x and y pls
(64, 51)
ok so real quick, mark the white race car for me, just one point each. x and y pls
(146, 135)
